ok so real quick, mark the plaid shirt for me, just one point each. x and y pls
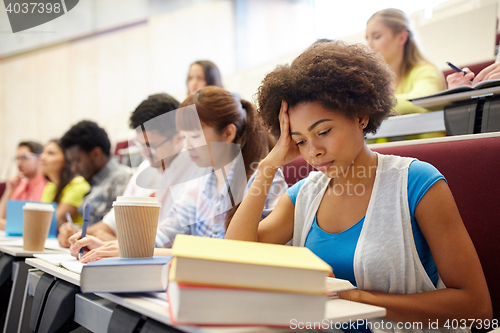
(107, 184)
(201, 211)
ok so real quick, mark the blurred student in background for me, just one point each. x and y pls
(165, 144)
(89, 152)
(224, 134)
(29, 182)
(203, 73)
(88, 149)
(64, 187)
(468, 78)
(388, 31)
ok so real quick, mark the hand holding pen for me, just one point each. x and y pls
(86, 214)
(66, 230)
(462, 77)
(70, 222)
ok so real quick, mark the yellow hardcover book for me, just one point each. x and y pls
(231, 263)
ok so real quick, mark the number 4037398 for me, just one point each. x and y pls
(33, 8)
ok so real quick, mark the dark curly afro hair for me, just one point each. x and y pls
(349, 78)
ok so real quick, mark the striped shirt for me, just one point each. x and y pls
(201, 210)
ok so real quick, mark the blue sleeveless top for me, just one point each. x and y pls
(338, 249)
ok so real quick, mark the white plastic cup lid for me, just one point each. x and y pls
(137, 201)
(39, 206)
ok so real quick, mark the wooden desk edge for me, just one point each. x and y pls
(59, 272)
(17, 251)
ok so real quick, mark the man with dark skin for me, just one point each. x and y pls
(88, 149)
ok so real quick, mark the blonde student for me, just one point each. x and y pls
(221, 132)
(389, 224)
(388, 31)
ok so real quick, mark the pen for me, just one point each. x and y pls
(86, 214)
(70, 221)
(455, 68)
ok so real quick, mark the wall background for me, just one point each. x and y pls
(89, 65)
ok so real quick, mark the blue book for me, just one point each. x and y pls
(117, 275)
(15, 216)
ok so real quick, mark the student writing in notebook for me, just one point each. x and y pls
(388, 31)
(468, 78)
(388, 224)
(221, 132)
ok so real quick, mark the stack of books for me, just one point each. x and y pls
(227, 282)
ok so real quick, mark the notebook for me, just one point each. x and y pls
(14, 219)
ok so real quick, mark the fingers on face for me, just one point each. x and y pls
(284, 117)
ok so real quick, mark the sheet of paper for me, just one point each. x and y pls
(336, 285)
(73, 265)
(64, 260)
(53, 244)
(11, 241)
(54, 259)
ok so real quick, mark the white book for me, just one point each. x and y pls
(210, 305)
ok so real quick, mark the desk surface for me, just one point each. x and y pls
(17, 251)
(408, 124)
(59, 272)
(438, 102)
(158, 310)
(336, 310)
(14, 247)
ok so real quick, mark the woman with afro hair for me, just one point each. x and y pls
(389, 224)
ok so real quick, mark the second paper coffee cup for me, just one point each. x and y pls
(136, 224)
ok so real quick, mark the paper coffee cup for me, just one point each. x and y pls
(136, 224)
(36, 225)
